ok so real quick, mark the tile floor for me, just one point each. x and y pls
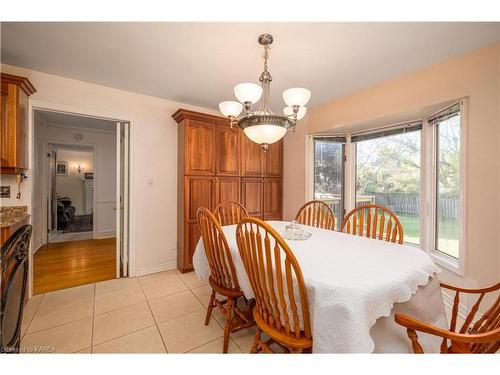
(158, 313)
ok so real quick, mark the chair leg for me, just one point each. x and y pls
(227, 326)
(210, 308)
(256, 341)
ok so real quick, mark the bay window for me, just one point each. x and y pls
(388, 174)
(329, 173)
(415, 169)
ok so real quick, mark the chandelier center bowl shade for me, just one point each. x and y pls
(263, 126)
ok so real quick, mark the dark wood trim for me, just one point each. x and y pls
(22, 82)
(10, 170)
(186, 114)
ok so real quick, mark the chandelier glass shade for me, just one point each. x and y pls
(263, 126)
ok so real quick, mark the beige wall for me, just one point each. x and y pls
(294, 170)
(153, 158)
(475, 75)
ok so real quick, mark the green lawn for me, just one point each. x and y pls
(448, 233)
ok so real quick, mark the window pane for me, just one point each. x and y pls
(388, 174)
(448, 177)
(329, 176)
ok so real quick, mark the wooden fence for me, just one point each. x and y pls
(401, 204)
(406, 204)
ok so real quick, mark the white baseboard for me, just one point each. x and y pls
(156, 268)
(104, 234)
(36, 244)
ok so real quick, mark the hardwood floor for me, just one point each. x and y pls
(67, 264)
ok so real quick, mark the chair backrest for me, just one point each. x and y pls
(316, 214)
(229, 212)
(488, 322)
(374, 221)
(222, 271)
(276, 278)
(14, 276)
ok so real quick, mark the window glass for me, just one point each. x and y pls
(448, 185)
(329, 175)
(388, 174)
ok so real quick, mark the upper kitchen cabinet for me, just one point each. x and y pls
(14, 116)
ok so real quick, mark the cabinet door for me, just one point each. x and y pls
(199, 193)
(4, 126)
(22, 147)
(274, 159)
(252, 193)
(228, 189)
(228, 159)
(273, 197)
(252, 163)
(200, 148)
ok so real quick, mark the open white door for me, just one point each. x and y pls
(122, 184)
(52, 192)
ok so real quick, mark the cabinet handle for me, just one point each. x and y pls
(214, 180)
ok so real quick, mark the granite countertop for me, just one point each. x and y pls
(11, 215)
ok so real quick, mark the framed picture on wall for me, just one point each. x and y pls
(62, 168)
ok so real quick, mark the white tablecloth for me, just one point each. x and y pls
(354, 286)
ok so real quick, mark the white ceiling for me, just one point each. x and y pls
(199, 63)
(74, 121)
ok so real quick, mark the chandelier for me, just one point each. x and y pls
(263, 126)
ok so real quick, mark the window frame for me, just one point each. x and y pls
(344, 166)
(428, 187)
(456, 265)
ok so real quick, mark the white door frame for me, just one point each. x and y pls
(122, 207)
(82, 111)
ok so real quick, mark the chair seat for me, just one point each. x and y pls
(301, 342)
(226, 292)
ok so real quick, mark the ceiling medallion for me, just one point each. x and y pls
(264, 126)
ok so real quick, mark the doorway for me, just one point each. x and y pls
(71, 181)
(80, 184)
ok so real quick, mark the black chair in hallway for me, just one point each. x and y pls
(14, 278)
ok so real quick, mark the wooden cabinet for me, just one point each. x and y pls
(7, 231)
(263, 197)
(253, 158)
(200, 148)
(218, 163)
(227, 189)
(228, 156)
(14, 127)
(273, 198)
(274, 159)
(252, 196)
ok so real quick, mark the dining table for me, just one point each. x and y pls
(355, 285)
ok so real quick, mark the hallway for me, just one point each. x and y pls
(68, 264)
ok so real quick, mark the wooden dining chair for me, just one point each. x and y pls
(281, 310)
(316, 214)
(229, 212)
(222, 278)
(475, 336)
(374, 221)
